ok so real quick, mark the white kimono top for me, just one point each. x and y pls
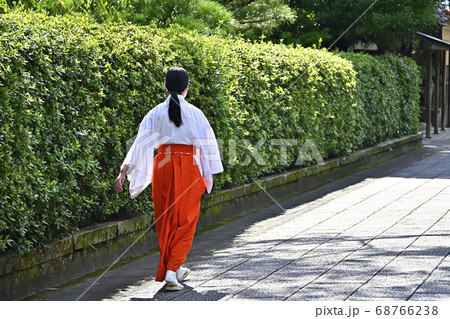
(156, 129)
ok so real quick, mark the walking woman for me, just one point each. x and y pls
(187, 158)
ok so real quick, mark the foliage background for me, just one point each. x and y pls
(249, 18)
(73, 91)
(390, 24)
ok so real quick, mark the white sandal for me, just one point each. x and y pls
(171, 286)
(182, 273)
(171, 281)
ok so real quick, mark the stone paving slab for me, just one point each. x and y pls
(380, 234)
(275, 270)
(383, 238)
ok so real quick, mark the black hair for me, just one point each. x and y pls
(177, 80)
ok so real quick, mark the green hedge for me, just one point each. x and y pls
(388, 88)
(72, 93)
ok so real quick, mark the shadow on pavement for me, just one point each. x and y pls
(228, 234)
(163, 295)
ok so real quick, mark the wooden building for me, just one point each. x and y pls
(437, 98)
(437, 88)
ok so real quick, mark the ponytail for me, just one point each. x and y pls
(175, 110)
(177, 80)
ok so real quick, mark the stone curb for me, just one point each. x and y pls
(99, 246)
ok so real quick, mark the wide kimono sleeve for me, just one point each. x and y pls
(209, 153)
(140, 157)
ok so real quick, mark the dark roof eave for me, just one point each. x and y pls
(432, 43)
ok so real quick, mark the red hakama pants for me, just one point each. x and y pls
(176, 193)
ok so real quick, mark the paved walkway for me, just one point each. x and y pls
(380, 234)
